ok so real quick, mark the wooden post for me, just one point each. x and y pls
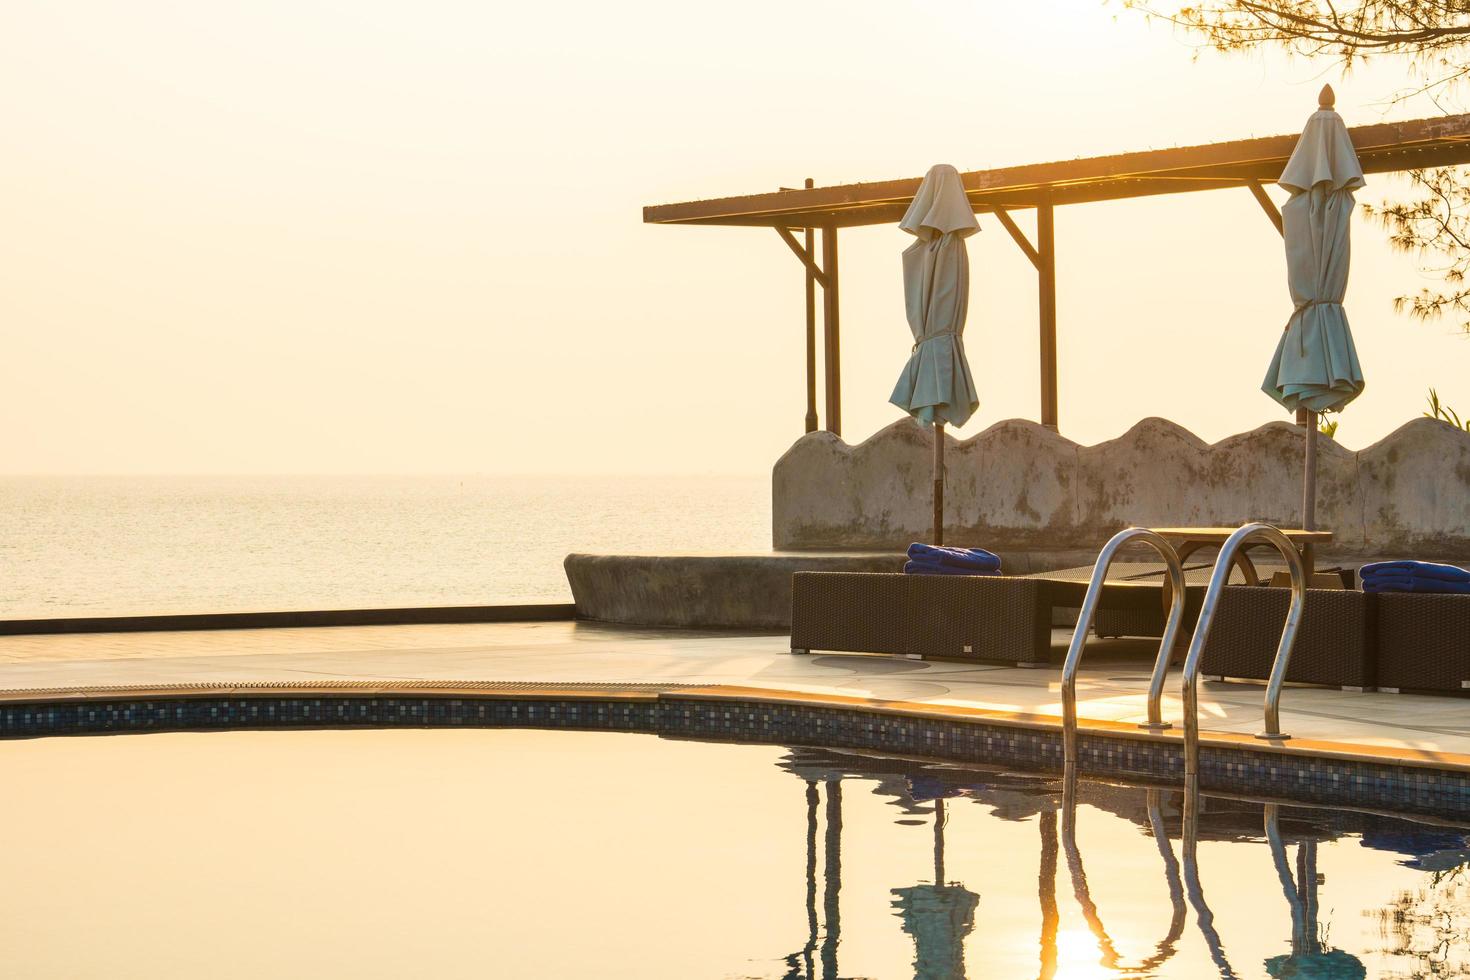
(811, 333)
(938, 483)
(1047, 304)
(830, 321)
(831, 906)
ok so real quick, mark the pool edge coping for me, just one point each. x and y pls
(1300, 748)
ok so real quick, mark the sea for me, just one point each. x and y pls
(107, 545)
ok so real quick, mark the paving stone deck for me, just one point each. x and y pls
(1111, 687)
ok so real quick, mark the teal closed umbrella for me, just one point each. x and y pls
(1310, 958)
(936, 386)
(1315, 368)
(938, 916)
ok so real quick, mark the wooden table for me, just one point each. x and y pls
(1188, 540)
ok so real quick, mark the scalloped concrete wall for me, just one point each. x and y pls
(1018, 486)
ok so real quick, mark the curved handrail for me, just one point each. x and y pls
(1084, 626)
(1218, 579)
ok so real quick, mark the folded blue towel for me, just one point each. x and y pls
(1413, 583)
(966, 558)
(934, 568)
(1415, 569)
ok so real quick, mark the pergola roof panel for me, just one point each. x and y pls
(1382, 148)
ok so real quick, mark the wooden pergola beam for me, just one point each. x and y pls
(1383, 147)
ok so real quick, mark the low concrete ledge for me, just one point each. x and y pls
(407, 616)
(703, 591)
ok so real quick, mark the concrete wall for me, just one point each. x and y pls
(702, 591)
(1020, 487)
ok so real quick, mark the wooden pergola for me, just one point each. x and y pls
(1244, 164)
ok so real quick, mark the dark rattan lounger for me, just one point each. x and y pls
(1007, 619)
(1334, 646)
(1423, 641)
(996, 618)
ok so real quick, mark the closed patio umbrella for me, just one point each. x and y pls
(938, 916)
(935, 385)
(1316, 366)
(1309, 958)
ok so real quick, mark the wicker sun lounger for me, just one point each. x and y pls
(1423, 641)
(1008, 619)
(1334, 646)
(995, 618)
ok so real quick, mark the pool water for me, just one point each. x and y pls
(493, 853)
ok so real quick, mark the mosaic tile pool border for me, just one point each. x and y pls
(1385, 786)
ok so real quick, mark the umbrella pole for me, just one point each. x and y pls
(939, 841)
(939, 483)
(1308, 418)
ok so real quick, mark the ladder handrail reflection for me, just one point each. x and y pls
(1046, 887)
(1110, 958)
(1078, 874)
(1272, 821)
(1204, 918)
(1166, 947)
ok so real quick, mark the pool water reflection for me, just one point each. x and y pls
(475, 853)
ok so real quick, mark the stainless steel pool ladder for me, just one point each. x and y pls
(1218, 579)
(1084, 627)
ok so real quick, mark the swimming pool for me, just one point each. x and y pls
(509, 853)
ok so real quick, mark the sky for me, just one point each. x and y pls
(297, 236)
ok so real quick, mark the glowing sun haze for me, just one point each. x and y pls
(379, 237)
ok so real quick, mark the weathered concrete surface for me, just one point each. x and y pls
(702, 591)
(1018, 487)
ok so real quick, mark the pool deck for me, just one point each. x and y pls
(1111, 688)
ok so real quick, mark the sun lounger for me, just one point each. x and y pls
(1008, 619)
(1423, 641)
(972, 617)
(1334, 646)
(992, 618)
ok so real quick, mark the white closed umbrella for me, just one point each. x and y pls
(936, 386)
(1315, 368)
